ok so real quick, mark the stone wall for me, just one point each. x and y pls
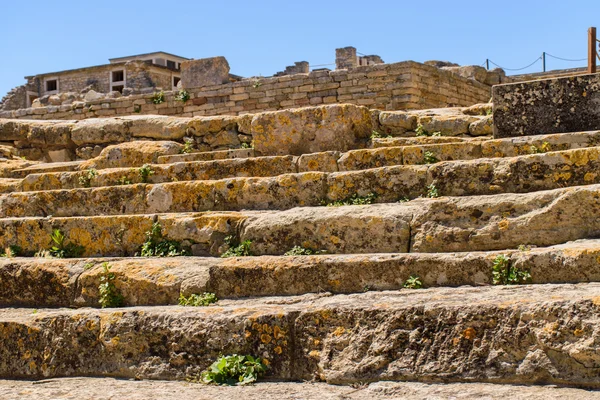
(405, 85)
(559, 105)
(139, 75)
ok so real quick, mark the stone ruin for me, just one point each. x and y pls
(347, 242)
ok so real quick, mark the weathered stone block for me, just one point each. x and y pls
(311, 130)
(204, 72)
(549, 106)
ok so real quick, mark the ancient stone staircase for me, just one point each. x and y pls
(441, 209)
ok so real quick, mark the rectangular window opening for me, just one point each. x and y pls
(176, 80)
(118, 88)
(51, 85)
(118, 76)
(171, 64)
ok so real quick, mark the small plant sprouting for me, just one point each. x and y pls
(432, 191)
(157, 246)
(420, 131)
(489, 112)
(247, 145)
(11, 251)
(429, 158)
(197, 300)
(62, 250)
(377, 135)
(233, 370)
(137, 108)
(302, 251)
(182, 96)
(524, 247)
(124, 181)
(237, 250)
(257, 83)
(505, 273)
(109, 295)
(354, 200)
(188, 146)
(403, 199)
(145, 172)
(158, 97)
(413, 282)
(544, 148)
(86, 179)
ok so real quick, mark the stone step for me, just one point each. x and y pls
(46, 168)
(518, 335)
(324, 162)
(207, 156)
(421, 140)
(447, 224)
(520, 174)
(43, 282)
(181, 171)
(111, 388)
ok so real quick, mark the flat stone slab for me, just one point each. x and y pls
(558, 105)
(110, 388)
(516, 334)
(42, 282)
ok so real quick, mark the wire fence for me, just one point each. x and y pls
(541, 59)
(488, 62)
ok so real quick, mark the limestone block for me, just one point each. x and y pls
(157, 127)
(311, 130)
(204, 72)
(447, 125)
(353, 229)
(479, 109)
(132, 154)
(389, 184)
(560, 105)
(325, 162)
(397, 121)
(59, 155)
(100, 130)
(483, 126)
(54, 100)
(92, 95)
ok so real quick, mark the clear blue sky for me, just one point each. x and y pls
(262, 37)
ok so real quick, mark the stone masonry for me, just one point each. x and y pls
(405, 85)
(567, 104)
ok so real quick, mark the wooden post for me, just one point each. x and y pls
(592, 50)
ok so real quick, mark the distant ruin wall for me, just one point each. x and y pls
(404, 85)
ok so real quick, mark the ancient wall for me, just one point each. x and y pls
(405, 85)
(558, 105)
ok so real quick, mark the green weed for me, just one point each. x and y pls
(504, 273)
(432, 191)
(158, 97)
(109, 294)
(145, 172)
(197, 300)
(237, 250)
(124, 181)
(302, 251)
(86, 179)
(188, 146)
(354, 200)
(233, 370)
(60, 249)
(11, 251)
(182, 96)
(157, 246)
(429, 158)
(413, 282)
